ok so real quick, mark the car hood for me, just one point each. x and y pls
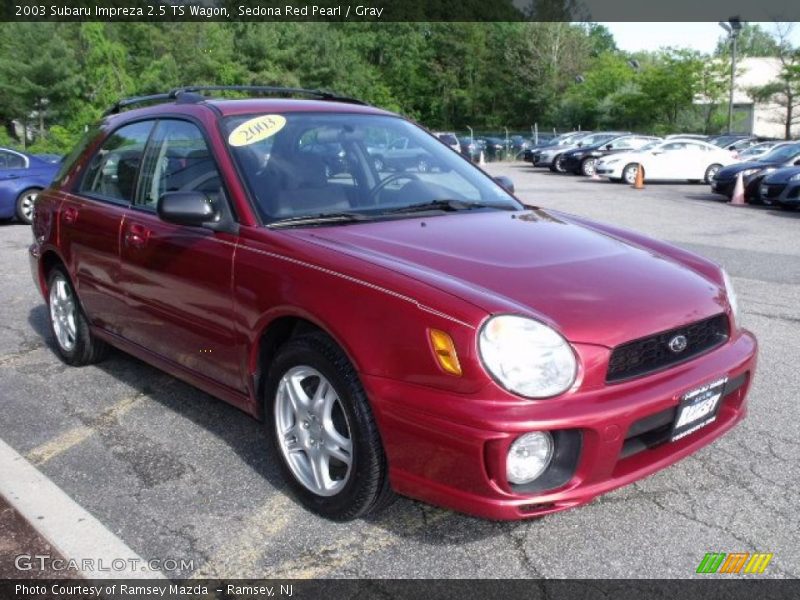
(593, 287)
(732, 170)
(782, 175)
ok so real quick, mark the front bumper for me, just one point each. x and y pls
(783, 194)
(612, 171)
(450, 450)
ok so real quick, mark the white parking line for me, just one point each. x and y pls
(69, 528)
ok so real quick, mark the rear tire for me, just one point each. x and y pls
(558, 165)
(326, 439)
(710, 172)
(24, 205)
(68, 323)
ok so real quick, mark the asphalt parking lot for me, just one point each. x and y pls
(177, 474)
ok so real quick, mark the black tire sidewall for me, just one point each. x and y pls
(362, 489)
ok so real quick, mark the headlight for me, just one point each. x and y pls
(528, 457)
(527, 357)
(795, 177)
(579, 155)
(748, 172)
(731, 293)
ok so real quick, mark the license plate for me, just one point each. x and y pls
(698, 408)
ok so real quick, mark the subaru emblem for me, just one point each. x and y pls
(678, 344)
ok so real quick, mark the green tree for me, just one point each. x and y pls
(37, 75)
(753, 40)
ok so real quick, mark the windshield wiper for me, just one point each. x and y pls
(446, 205)
(340, 217)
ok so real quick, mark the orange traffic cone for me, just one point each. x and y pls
(639, 183)
(738, 191)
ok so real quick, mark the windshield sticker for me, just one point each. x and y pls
(255, 130)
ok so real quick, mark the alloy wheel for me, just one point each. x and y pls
(313, 432)
(63, 313)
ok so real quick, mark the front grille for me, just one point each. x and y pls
(653, 353)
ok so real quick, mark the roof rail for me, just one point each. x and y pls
(273, 90)
(190, 94)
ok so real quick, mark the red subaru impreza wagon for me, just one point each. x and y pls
(414, 329)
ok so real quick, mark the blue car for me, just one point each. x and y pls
(22, 177)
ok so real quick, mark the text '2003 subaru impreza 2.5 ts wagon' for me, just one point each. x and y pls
(397, 330)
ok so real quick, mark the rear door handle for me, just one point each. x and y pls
(136, 236)
(70, 215)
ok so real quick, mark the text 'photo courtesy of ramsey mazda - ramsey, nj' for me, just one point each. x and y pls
(398, 319)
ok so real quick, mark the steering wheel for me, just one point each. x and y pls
(373, 194)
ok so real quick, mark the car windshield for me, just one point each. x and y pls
(781, 153)
(328, 165)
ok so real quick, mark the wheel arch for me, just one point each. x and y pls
(274, 330)
(47, 261)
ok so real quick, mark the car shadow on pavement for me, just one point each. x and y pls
(238, 430)
(244, 435)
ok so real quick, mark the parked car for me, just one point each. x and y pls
(671, 160)
(689, 136)
(781, 188)
(450, 139)
(757, 150)
(471, 147)
(553, 157)
(532, 154)
(402, 154)
(581, 161)
(384, 326)
(754, 171)
(22, 177)
(493, 147)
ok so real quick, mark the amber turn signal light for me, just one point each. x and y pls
(445, 351)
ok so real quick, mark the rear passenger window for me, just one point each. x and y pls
(112, 172)
(178, 160)
(10, 160)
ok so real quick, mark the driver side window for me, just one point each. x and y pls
(177, 159)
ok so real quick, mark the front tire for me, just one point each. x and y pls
(24, 205)
(318, 417)
(629, 173)
(74, 341)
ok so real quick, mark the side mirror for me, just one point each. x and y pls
(797, 162)
(609, 146)
(580, 144)
(505, 183)
(193, 209)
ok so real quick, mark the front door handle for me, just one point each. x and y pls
(136, 236)
(70, 215)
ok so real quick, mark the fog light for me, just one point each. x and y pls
(529, 456)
